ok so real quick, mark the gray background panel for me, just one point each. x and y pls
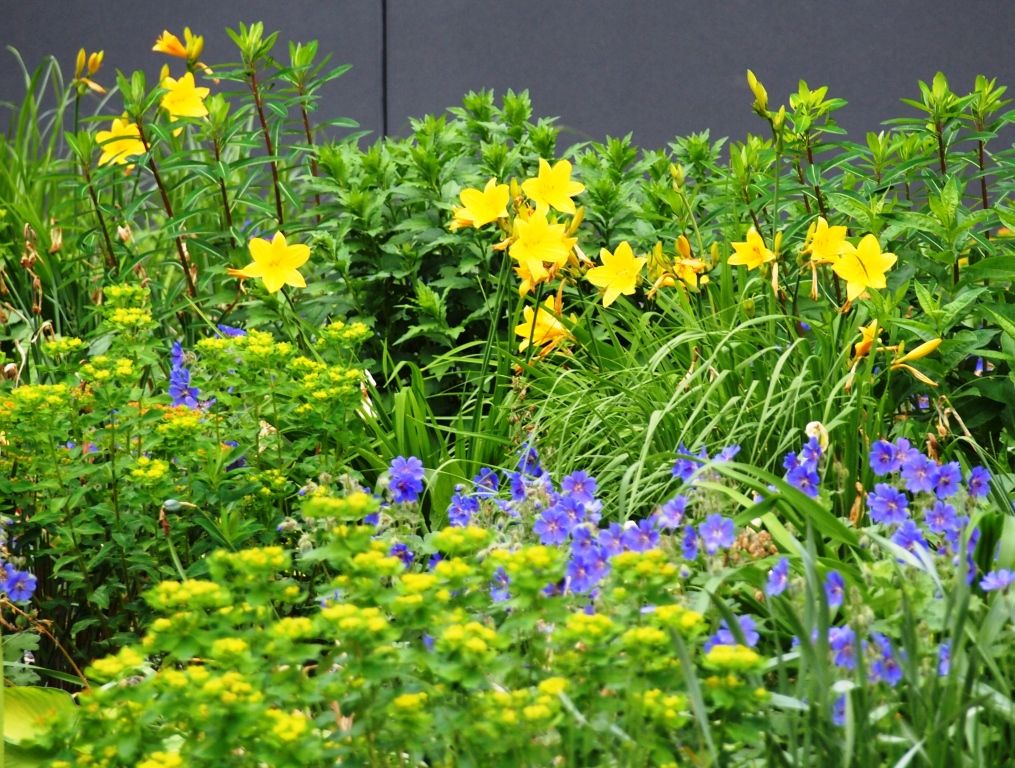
(657, 68)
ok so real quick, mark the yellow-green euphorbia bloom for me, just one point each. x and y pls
(619, 273)
(863, 266)
(276, 263)
(553, 186)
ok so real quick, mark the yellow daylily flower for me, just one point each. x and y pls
(863, 266)
(869, 334)
(170, 44)
(921, 350)
(184, 98)
(276, 263)
(120, 142)
(536, 239)
(619, 273)
(553, 187)
(481, 207)
(542, 326)
(85, 66)
(531, 273)
(752, 253)
(825, 243)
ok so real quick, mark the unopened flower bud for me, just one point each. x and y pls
(760, 94)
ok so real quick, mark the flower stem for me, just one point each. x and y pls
(181, 248)
(110, 258)
(269, 147)
(310, 141)
(225, 195)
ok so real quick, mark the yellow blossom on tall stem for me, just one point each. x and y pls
(536, 239)
(553, 187)
(825, 243)
(481, 207)
(191, 49)
(277, 263)
(863, 266)
(752, 253)
(868, 336)
(619, 273)
(183, 98)
(531, 273)
(120, 142)
(541, 326)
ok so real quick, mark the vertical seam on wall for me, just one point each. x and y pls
(384, 67)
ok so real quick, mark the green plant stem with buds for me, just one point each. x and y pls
(107, 241)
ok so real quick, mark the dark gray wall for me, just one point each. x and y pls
(656, 68)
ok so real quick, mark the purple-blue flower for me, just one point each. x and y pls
(612, 539)
(671, 513)
(552, 526)
(230, 331)
(842, 640)
(179, 380)
(941, 517)
(979, 482)
(18, 585)
(528, 460)
(402, 552)
(640, 537)
(888, 505)
(835, 589)
(584, 573)
(580, 486)
(689, 545)
(685, 467)
(909, 537)
(778, 578)
(997, 580)
(918, 472)
(810, 454)
(883, 458)
(406, 479)
(947, 479)
(886, 666)
(839, 711)
(462, 508)
(717, 532)
(804, 479)
(724, 636)
(944, 659)
(499, 586)
(487, 481)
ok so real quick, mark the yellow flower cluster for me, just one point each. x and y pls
(133, 320)
(500, 709)
(63, 345)
(254, 560)
(125, 295)
(162, 760)
(453, 572)
(231, 688)
(226, 647)
(180, 422)
(737, 658)
(286, 726)
(650, 567)
(668, 709)
(471, 640)
(102, 368)
(354, 622)
(148, 470)
(376, 562)
(533, 563)
(343, 334)
(292, 628)
(113, 666)
(462, 541)
(677, 617)
(192, 593)
(352, 506)
(38, 400)
(410, 702)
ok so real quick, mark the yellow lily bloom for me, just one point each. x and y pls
(752, 253)
(619, 273)
(869, 335)
(276, 263)
(531, 273)
(170, 44)
(542, 326)
(121, 141)
(481, 207)
(536, 239)
(825, 243)
(921, 350)
(553, 187)
(863, 266)
(184, 98)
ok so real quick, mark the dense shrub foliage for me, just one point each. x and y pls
(272, 400)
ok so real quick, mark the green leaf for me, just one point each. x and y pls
(29, 711)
